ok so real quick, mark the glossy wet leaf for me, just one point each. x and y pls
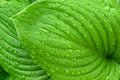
(16, 61)
(72, 40)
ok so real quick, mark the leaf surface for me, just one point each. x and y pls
(13, 57)
(72, 40)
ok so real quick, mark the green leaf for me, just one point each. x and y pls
(3, 73)
(13, 57)
(72, 40)
(9, 8)
(31, 1)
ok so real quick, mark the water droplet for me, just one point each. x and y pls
(102, 0)
(68, 32)
(73, 73)
(7, 24)
(37, 32)
(62, 0)
(57, 4)
(78, 72)
(11, 58)
(37, 12)
(16, 64)
(87, 3)
(107, 8)
(52, 70)
(82, 17)
(85, 36)
(80, 25)
(84, 79)
(68, 11)
(67, 55)
(50, 58)
(15, 52)
(74, 25)
(33, 52)
(54, 18)
(53, 28)
(70, 50)
(69, 46)
(44, 30)
(77, 50)
(56, 69)
(26, 32)
(110, 29)
(83, 71)
(67, 71)
(34, 46)
(63, 63)
(10, 49)
(19, 6)
(90, 26)
(107, 78)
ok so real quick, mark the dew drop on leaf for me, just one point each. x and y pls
(54, 18)
(58, 5)
(69, 46)
(77, 50)
(68, 32)
(62, 0)
(50, 58)
(70, 50)
(33, 52)
(44, 30)
(67, 71)
(27, 32)
(52, 70)
(78, 72)
(107, 8)
(53, 28)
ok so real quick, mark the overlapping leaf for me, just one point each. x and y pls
(73, 40)
(13, 57)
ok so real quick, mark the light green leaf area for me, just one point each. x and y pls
(15, 60)
(23, 78)
(16, 78)
(72, 40)
(9, 8)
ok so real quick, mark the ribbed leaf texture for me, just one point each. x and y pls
(59, 39)
(15, 60)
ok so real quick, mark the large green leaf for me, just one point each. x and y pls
(72, 39)
(13, 57)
